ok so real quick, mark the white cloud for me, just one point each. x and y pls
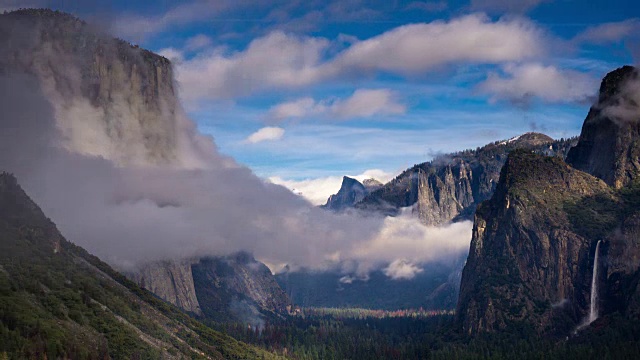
(610, 32)
(281, 60)
(366, 103)
(198, 42)
(318, 190)
(402, 269)
(269, 133)
(522, 82)
(417, 48)
(295, 109)
(508, 6)
(362, 103)
(404, 242)
(273, 61)
(137, 27)
(174, 55)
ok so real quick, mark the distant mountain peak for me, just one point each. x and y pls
(351, 191)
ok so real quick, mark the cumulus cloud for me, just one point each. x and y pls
(610, 32)
(362, 103)
(318, 190)
(402, 269)
(416, 48)
(281, 60)
(268, 133)
(406, 239)
(522, 82)
(273, 61)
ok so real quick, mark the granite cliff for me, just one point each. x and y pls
(451, 186)
(533, 249)
(351, 192)
(111, 99)
(609, 145)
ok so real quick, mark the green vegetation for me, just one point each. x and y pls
(434, 337)
(596, 217)
(58, 301)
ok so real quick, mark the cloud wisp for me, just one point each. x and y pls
(268, 133)
(361, 104)
(524, 82)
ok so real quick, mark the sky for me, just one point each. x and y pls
(304, 92)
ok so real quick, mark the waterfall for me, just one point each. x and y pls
(593, 308)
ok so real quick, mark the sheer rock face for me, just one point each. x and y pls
(532, 252)
(223, 288)
(236, 287)
(111, 99)
(609, 145)
(351, 191)
(171, 281)
(451, 186)
(444, 194)
(525, 255)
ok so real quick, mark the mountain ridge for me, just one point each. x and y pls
(58, 301)
(532, 254)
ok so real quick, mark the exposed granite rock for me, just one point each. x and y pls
(171, 281)
(450, 187)
(525, 253)
(532, 251)
(229, 288)
(351, 191)
(111, 99)
(609, 145)
(237, 287)
(444, 193)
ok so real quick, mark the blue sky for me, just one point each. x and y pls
(319, 89)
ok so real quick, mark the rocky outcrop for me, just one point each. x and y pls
(237, 287)
(111, 99)
(171, 281)
(609, 145)
(451, 186)
(351, 191)
(525, 253)
(228, 288)
(444, 193)
(532, 253)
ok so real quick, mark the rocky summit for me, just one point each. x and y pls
(609, 145)
(532, 260)
(452, 185)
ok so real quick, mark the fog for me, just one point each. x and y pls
(117, 198)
